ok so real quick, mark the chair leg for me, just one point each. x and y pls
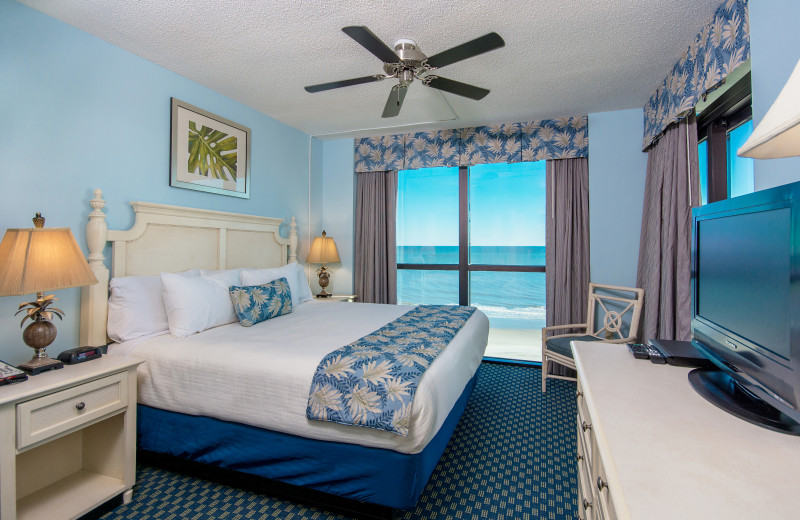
(545, 365)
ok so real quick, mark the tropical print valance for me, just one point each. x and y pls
(722, 45)
(562, 138)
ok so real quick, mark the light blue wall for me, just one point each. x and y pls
(77, 113)
(315, 203)
(617, 169)
(775, 50)
(338, 209)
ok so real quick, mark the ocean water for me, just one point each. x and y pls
(510, 300)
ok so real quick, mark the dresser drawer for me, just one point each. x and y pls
(585, 496)
(585, 433)
(584, 509)
(43, 418)
(584, 464)
(605, 505)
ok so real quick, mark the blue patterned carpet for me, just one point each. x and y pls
(512, 456)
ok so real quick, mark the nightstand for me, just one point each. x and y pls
(338, 298)
(68, 440)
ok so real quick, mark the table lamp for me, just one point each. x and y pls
(323, 251)
(778, 133)
(36, 260)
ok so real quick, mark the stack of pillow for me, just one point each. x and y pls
(193, 301)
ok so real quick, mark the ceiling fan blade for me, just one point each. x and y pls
(343, 83)
(372, 43)
(395, 101)
(458, 88)
(485, 43)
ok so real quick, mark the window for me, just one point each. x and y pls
(427, 236)
(741, 176)
(723, 125)
(475, 236)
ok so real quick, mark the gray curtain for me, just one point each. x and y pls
(671, 190)
(567, 246)
(376, 252)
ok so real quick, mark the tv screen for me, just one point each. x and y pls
(743, 276)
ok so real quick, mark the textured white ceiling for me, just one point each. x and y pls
(562, 57)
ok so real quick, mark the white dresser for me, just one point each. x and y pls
(68, 440)
(662, 451)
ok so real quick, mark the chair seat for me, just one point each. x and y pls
(560, 345)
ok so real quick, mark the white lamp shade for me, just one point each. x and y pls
(778, 134)
(323, 251)
(41, 259)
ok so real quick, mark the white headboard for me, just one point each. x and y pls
(171, 239)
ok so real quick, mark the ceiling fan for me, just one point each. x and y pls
(406, 63)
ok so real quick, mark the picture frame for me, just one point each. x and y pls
(208, 152)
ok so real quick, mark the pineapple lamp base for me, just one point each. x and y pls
(37, 365)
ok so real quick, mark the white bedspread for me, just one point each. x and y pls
(261, 375)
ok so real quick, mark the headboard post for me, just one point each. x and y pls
(293, 241)
(94, 298)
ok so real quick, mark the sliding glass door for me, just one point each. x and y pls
(506, 255)
(476, 237)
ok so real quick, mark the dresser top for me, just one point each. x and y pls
(671, 454)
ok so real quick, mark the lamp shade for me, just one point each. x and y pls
(41, 259)
(778, 133)
(323, 251)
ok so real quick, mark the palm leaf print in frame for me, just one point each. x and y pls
(212, 153)
(209, 153)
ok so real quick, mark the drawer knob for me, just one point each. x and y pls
(80, 406)
(578, 394)
(585, 426)
(586, 504)
(601, 484)
(579, 457)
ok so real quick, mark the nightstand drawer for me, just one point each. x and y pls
(48, 416)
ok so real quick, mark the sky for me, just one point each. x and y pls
(507, 205)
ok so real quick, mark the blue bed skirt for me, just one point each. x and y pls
(372, 475)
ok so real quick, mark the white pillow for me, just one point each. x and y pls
(136, 308)
(294, 274)
(229, 276)
(196, 304)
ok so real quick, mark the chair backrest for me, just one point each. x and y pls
(614, 312)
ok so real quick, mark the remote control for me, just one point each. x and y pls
(656, 356)
(638, 350)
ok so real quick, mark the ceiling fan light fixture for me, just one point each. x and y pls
(409, 53)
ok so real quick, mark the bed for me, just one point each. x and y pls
(235, 397)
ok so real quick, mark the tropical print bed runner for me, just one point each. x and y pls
(372, 381)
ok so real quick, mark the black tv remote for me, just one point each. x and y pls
(656, 356)
(638, 350)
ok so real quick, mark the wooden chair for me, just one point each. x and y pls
(613, 317)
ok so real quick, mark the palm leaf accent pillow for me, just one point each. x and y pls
(256, 303)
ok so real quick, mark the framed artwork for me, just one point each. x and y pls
(208, 152)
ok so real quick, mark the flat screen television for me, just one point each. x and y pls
(746, 305)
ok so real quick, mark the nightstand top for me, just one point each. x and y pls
(51, 380)
(338, 298)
